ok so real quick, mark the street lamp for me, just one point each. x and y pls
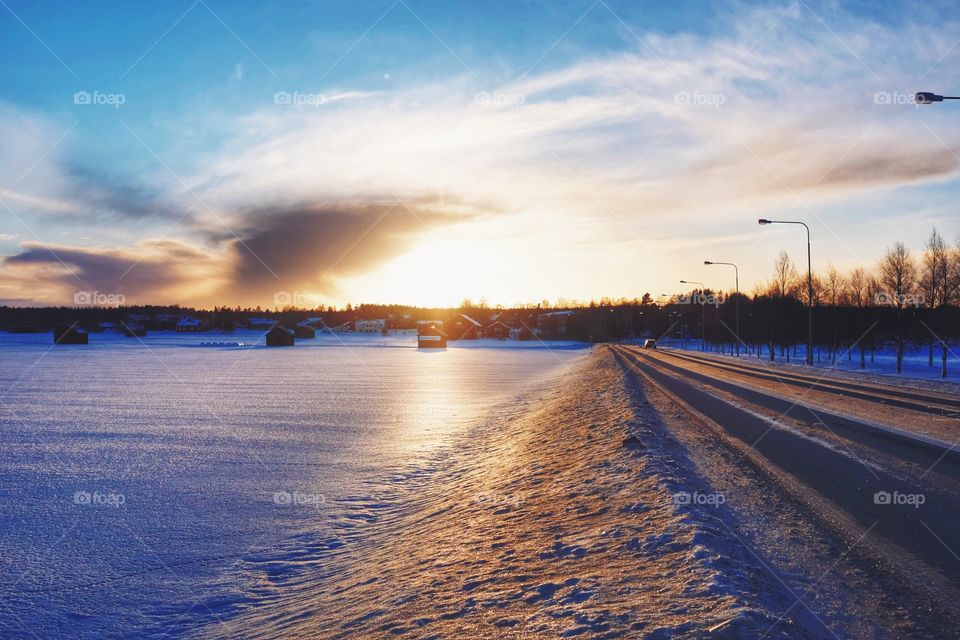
(809, 286)
(736, 274)
(703, 315)
(925, 97)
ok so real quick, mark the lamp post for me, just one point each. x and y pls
(679, 316)
(809, 285)
(925, 97)
(669, 314)
(736, 275)
(703, 314)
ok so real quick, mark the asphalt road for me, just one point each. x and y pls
(903, 496)
(912, 399)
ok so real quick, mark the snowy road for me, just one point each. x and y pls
(898, 500)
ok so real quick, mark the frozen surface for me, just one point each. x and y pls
(560, 515)
(139, 477)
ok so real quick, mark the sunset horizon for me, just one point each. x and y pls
(511, 319)
(561, 167)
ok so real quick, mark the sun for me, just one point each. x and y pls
(440, 271)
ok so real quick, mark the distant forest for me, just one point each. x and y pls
(903, 300)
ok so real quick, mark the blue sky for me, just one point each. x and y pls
(247, 151)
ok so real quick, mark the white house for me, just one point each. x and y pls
(370, 326)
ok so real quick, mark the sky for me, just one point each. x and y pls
(270, 153)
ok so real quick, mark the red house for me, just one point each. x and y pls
(431, 337)
(462, 327)
(70, 335)
(499, 330)
(279, 337)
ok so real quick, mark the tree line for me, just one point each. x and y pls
(904, 299)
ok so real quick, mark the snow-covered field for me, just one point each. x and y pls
(140, 480)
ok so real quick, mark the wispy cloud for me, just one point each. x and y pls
(792, 108)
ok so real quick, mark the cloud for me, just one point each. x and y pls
(312, 248)
(781, 110)
(149, 272)
(304, 249)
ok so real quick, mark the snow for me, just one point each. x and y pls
(883, 362)
(155, 486)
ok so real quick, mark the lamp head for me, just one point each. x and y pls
(925, 97)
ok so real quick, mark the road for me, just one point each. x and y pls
(897, 496)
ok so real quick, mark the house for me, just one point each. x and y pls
(304, 331)
(499, 330)
(554, 323)
(405, 322)
(26, 328)
(187, 324)
(263, 324)
(462, 327)
(370, 326)
(70, 335)
(162, 322)
(279, 337)
(423, 324)
(314, 323)
(431, 337)
(134, 330)
(525, 333)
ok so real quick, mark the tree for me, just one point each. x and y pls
(857, 285)
(935, 269)
(951, 289)
(835, 292)
(933, 278)
(784, 273)
(835, 287)
(898, 276)
(858, 294)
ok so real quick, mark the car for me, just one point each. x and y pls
(649, 343)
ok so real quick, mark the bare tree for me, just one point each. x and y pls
(933, 277)
(898, 276)
(799, 289)
(951, 288)
(784, 273)
(857, 286)
(834, 287)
